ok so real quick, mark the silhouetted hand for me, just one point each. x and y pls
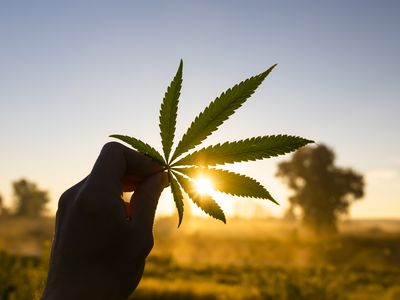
(101, 244)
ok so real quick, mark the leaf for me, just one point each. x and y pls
(177, 194)
(244, 150)
(217, 112)
(168, 112)
(141, 147)
(205, 202)
(230, 182)
(181, 169)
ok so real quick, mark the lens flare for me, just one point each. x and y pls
(203, 185)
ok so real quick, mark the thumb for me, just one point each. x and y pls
(145, 199)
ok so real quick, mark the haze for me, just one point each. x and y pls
(73, 72)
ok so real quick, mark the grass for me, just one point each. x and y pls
(246, 259)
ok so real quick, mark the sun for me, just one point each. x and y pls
(203, 185)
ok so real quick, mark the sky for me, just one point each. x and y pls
(74, 72)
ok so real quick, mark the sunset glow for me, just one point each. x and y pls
(97, 68)
(204, 185)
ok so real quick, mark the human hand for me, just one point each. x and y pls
(100, 244)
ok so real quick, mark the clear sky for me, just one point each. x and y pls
(73, 72)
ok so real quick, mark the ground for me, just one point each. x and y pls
(245, 259)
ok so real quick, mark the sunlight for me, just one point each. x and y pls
(204, 185)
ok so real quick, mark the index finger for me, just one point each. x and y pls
(117, 161)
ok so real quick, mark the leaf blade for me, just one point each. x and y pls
(168, 112)
(230, 183)
(141, 147)
(205, 202)
(217, 112)
(177, 195)
(255, 148)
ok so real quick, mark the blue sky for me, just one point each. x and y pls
(73, 72)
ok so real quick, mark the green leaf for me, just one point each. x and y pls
(217, 112)
(168, 112)
(244, 150)
(230, 182)
(177, 194)
(205, 202)
(181, 170)
(141, 147)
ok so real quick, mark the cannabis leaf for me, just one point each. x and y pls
(168, 112)
(183, 171)
(244, 150)
(230, 182)
(205, 202)
(141, 147)
(177, 194)
(217, 112)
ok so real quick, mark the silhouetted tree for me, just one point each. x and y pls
(322, 190)
(30, 201)
(289, 215)
(3, 209)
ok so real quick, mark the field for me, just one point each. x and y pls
(245, 259)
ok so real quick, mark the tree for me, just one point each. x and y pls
(30, 201)
(3, 209)
(322, 190)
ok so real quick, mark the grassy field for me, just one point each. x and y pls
(245, 259)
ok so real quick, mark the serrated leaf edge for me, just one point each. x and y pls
(240, 177)
(181, 179)
(188, 140)
(141, 147)
(194, 158)
(176, 191)
(169, 111)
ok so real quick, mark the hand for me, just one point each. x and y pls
(100, 244)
